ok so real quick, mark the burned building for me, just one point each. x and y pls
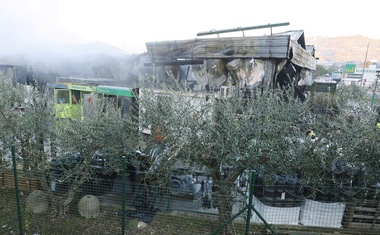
(218, 64)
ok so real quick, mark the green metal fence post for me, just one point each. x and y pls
(252, 207)
(230, 220)
(16, 189)
(248, 207)
(123, 195)
(250, 199)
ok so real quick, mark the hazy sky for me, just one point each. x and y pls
(32, 24)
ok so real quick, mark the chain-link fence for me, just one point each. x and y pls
(123, 204)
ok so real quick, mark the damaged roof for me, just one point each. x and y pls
(296, 36)
(288, 45)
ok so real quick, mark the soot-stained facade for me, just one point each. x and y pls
(277, 60)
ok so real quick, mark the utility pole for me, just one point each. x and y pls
(365, 62)
(374, 89)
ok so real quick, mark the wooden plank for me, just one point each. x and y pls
(369, 226)
(364, 217)
(24, 184)
(359, 225)
(349, 215)
(376, 216)
(230, 47)
(303, 58)
(361, 208)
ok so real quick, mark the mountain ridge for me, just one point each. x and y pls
(345, 49)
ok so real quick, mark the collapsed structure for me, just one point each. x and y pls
(222, 64)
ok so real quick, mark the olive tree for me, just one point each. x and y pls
(93, 144)
(235, 133)
(74, 146)
(347, 147)
(255, 129)
(25, 119)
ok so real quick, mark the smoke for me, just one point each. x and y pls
(34, 35)
(32, 27)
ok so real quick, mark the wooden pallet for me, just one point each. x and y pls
(24, 184)
(363, 214)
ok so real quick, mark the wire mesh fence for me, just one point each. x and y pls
(187, 205)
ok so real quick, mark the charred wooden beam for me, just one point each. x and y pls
(178, 62)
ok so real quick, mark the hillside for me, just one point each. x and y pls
(345, 49)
